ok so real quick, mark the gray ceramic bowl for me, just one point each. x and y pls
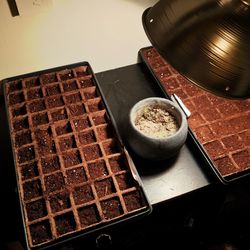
(148, 146)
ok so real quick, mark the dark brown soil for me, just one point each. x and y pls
(111, 147)
(100, 119)
(23, 138)
(59, 202)
(104, 132)
(67, 143)
(242, 159)
(26, 154)
(43, 132)
(111, 208)
(29, 171)
(82, 71)
(225, 165)
(164, 74)
(104, 187)
(77, 110)
(204, 133)
(60, 114)
(64, 129)
(245, 137)
(87, 137)
(44, 141)
(232, 142)
(86, 82)
(82, 124)
(21, 124)
(211, 114)
(97, 169)
(92, 152)
(60, 180)
(53, 89)
(125, 181)
(117, 164)
(15, 86)
(90, 93)
(32, 82)
(40, 232)
(54, 182)
(65, 223)
(34, 93)
(133, 201)
(19, 111)
(54, 102)
(76, 176)
(96, 106)
(36, 209)
(73, 98)
(88, 215)
(40, 119)
(69, 86)
(83, 194)
(214, 148)
(36, 106)
(71, 158)
(50, 164)
(16, 98)
(66, 75)
(32, 189)
(49, 78)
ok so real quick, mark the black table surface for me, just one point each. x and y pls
(187, 172)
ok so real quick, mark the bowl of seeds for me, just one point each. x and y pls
(157, 128)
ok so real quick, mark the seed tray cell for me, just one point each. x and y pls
(82, 123)
(59, 202)
(87, 137)
(53, 89)
(29, 170)
(99, 118)
(19, 111)
(86, 81)
(40, 119)
(73, 98)
(31, 82)
(74, 175)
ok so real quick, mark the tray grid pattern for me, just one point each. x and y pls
(221, 126)
(73, 173)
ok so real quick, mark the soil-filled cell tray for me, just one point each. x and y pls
(219, 127)
(74, 175)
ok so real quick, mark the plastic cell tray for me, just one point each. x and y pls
(74, 176)
(219, 127)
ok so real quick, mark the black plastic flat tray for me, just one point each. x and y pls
(145, 209)
(198, 146)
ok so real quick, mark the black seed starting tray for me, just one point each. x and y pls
(220, 127)
(74, 175)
